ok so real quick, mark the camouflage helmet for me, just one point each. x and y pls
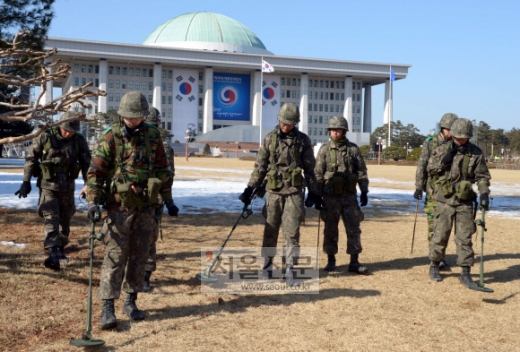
(133, 106)
(462, 128)
(71, 126)
(338, 122)
(289, 114)
(154, 117)
(447, 120)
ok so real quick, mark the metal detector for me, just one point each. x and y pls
(86, 340)
(206, 276)
(480, 286)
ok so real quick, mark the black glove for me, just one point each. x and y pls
(172, 208)
(448, 158)
(24, 190)
(319, 204)
(484, 201)
(246, 195)
(363, 199)
(94, 214)
(312, 199)
(418, 194)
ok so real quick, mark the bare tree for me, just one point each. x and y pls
(15, 56)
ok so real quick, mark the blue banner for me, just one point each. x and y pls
(231, 96)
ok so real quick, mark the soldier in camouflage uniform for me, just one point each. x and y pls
(284, 154)
(63, 153)
(339, 169)
(154, 118)
(423, 182)
(457, 165)
(128, 173)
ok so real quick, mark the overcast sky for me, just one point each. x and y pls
(464, 54)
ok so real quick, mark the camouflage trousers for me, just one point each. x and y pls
(56, 208)
(429, 208)
(151, 262)
(285, 211)
(345, 206)
(462, 218)
(127, 239)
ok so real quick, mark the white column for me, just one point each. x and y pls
(304, 103)
(257, 98)
(47, 97)
(157, 88)
(347, 111)
(208, 100)
(103, 78)
(388, 102)
(367, 109)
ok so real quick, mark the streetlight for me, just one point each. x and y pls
(379, 151)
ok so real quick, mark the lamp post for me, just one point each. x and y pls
(379, 151)
(187, 141)
(407, 148)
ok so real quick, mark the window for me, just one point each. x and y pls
(321, 107)
(169, 126)
(332, 84)
(315, 95)
(294, 94)
(321, 83)
(123, 84)
(326, 84)
(163, 124)
(326, 107)
(315, 107)
(83, 68)
(320, 119)
(353, 108)
(358, 85)
(118, 97)
(315, 119)
(131, 85)
(110, 83)
(200, 101)
(144, 72)
(358, 110)
(163, 86)
(124, 71)
(326, 96)
(90, 68)
(310, 83)
(130, 71)
(310, 107)
(170, 99)
(163, 100)
(288, 93)
(310, 119)
(97, 82)
(353, 97)
(169, 112)
(309, 130)
(143, 85)
(111, 70)
(170, 87)
(200, 76)
(282, 94)
(337, 84)
(337, 96)
(91, 80)
(331, 96)
(118, 84)
(353, 85)
(321, 131)
(294, 82)
(321, 95)
(163, 74)
(137, 85)
(76, 81)
(337, 108)
(83, 81)
(342, 96)
(76, 67)
(118, 70)
(150, 99)
(200, 114)
(150, 72)
(150, 85)
(326, 120)
(331, 108)
(342, 85)
(137, 72)
(358, 97)
(315, 130)
(200, 88)
(170, 74)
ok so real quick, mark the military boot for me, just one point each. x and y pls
(108, 315)
(53, 261)
(130, 309)
(331, 264)
(61, 255)
(435, 275)
(267, 270)
(355, 266)
(465, 277)
(147, 287)
(289, 277)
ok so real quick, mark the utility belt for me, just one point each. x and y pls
(340, 183)
(50, 169)
(137, 195)
(462, 190)
(292, 177)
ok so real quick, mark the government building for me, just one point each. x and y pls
(211, 73)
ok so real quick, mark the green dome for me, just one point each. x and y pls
(206, 31)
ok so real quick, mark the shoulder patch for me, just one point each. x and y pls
(429, 138)
(107, 130)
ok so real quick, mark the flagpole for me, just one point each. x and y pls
(261, 106)
(390, 108)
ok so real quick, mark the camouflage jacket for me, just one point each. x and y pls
(346, 154)
(421, 175)
(169, 155)
(478, 172)
(285, 154)
(135, 168)
(62, 153)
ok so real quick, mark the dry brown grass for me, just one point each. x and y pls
(396, 308)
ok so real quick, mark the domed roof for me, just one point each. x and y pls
(206, 31)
